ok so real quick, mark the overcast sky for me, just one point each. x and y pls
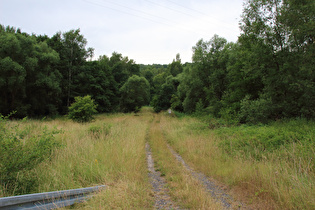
(148, 31)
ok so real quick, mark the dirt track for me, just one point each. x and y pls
(164, 201)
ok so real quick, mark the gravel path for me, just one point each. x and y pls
(162, 199)
(210, 186)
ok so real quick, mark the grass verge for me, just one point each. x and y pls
(267, 167)
(108, 151)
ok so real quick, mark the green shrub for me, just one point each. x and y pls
(199, 108)
(20, 153)
(180, 114)
(135, 93)
(229, 116)
(82, 109)
(257, 141)
(256, 111)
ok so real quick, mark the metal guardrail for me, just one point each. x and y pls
(48, 200)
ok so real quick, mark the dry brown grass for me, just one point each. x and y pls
(116, 159)
(184, 189)
(265, 184)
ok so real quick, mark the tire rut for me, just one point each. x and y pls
(162, 199)
(216, 192)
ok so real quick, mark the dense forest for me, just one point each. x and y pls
(268, 74)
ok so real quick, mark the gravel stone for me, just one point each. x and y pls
(210, 186)
(162, 199)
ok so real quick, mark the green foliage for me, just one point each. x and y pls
(176, 103)
(255, 111)
(82, 109)
(175, 67)
(162, 100)
(229, 116)
(267, 74)
(135, 93)
(199, 108)
(206, 80)
(97, 81)
(122, 68)
(71, 47)
(278, 56)
(260, 141)
(30, 83)
(165, 96)
(20, 152)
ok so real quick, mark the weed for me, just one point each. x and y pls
(20, 152)
(119, 162)
(273, 162)
(97, 130)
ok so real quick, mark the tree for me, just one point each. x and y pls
(148, 74)
(122, 68)
(135, 93)
(12, 81)
(12, 72)
(82, 109)
(43, 82)
(95, 79)
(175, 67)
(241, 81)
(276, 34)
(71, 47)
(162, 100)
(29, 79)
(206, 80)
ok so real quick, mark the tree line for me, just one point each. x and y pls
(267, 74)
(41, 75)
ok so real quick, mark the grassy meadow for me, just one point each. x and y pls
(264, 166)
(109, 151)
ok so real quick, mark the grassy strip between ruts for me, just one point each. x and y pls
(270, 176)
(186, 191)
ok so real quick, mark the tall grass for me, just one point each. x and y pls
(183, 188)
(109, 151)
(268, 167)
(23, 146)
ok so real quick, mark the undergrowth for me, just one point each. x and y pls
(23, 147)
(267, 165)
(260, 141)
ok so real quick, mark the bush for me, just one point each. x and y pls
(255, 111)
(82, 109)
(20, 153)
(199, 108)
(229, 116)
(135, 93)
(257, 141)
